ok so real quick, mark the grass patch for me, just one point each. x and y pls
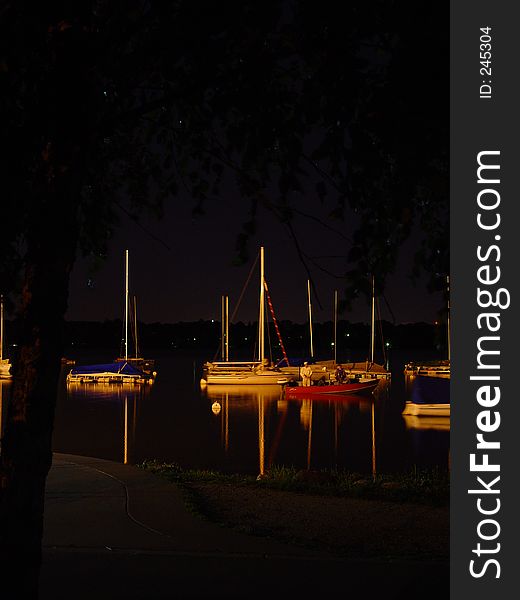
(430, 486)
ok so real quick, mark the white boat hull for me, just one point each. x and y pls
(267, 378)
(427, 410)
(107, 378)
(5, 369)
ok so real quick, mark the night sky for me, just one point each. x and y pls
(185, 281)
(180, 266)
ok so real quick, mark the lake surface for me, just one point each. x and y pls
(245, 430)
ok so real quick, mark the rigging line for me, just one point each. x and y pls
(132, 326)
(122, 344)
(389, 307)
(275, 321)
(244, 289)
(219, 347)
(137, 352)
(216, 353)
(381, 330)
(301, 256)
(237, 306)
(268, 334)
(276, 440)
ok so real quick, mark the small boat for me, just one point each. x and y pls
(5, 365)
(108, 373)
(320, 370)
(123, 369)
(140, 363)
(434, 368)
(256, 372)
(430, 397)
(300, 391)
(360, 371)
(365, 370)
(242, 373)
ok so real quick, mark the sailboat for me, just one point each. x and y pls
(123, 369)
(5, 365)
(256, 372)
(435, 368)
(324, 372)
(321, 370)
(145, 365)
(368, 369)
(333, 390)
(430, 397)
(429, 382)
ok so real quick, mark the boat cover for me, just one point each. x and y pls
(430, 390)
(117, 368)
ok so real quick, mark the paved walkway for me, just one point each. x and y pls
(115, 531)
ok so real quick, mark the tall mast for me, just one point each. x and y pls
(335, 325)
(448, 316)
(126, 304)
(1, 327)
(222, 328)
(125, 435)
(373, 320)
(261, 316)
(135, 328)
(226, 330)
(310, 314)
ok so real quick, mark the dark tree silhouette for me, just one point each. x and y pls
(116, 106)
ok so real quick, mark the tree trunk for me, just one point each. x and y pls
(26, 447)
(63, 129)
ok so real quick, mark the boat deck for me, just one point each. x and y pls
(108, 378)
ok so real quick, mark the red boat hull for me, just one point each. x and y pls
(365, 387)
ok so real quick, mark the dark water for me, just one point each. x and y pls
(246, 430)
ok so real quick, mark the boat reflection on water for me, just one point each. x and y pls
(251, 398)
(426, 422)
(290, 432)
(427, 403)
(427, 417)
(5, 387)
(245, 429)
(117, 410)
(363, 403)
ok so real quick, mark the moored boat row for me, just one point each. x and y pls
(322, 377)
(262, 372)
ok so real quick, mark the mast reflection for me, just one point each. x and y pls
(114, 399)
(268, 406)
(251, 398)
(5, 387)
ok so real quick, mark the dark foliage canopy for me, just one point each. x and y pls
(136, 101)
